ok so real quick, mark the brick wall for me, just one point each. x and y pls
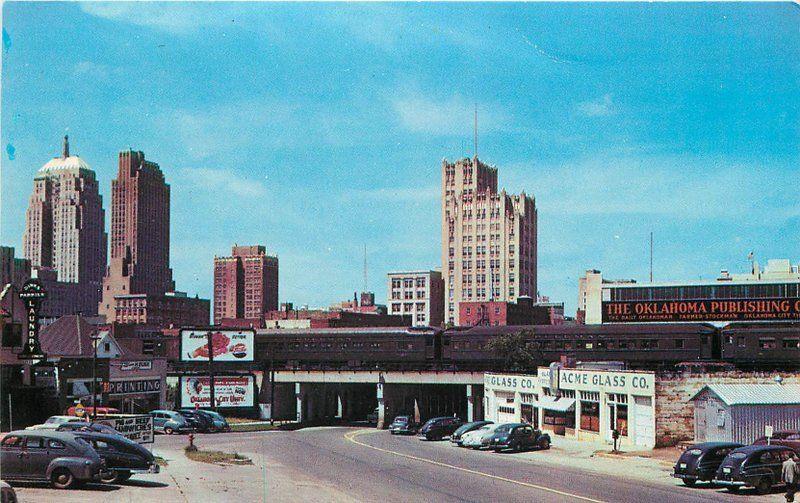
(675, 413)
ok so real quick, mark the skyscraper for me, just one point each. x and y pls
(139, 232)
(65, 226)
(245, 284)
(488, 238)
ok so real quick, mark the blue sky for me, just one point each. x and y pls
(317, 129)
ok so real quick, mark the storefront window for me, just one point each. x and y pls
(590, 411)
(618, 413)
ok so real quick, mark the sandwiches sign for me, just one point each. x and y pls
(225, 345)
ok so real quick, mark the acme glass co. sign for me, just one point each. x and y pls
(702, 310)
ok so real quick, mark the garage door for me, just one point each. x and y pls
(506, 412)
(643, 421)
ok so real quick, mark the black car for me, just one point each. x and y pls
(439, 427)
(466, 428)
(122, 456)
(197, 420)
(91, 427)
(700, 461)
(403, 425)
(756, 466)
(518, 437)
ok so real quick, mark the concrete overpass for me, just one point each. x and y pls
(308, 395)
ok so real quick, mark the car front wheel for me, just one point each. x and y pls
(62, 478)
(168, 430)
(124, 475)
(110, 478)
(689, 482)
(544, 444)
(764, 485)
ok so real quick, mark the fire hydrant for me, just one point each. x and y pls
(191, 446)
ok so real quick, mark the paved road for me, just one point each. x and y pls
(350, 464)
(340, 465)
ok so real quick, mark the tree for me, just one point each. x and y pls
(514, 351)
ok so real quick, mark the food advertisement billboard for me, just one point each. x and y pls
(226, 345)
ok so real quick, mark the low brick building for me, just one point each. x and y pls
(161, 310)
(522, 312)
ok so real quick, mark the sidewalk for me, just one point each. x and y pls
(266, 480)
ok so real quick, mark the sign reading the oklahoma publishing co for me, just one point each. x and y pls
(701, 310)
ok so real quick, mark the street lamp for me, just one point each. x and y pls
(95, 341)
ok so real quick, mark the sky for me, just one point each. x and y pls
(316, 130)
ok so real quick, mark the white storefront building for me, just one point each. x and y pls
(576, 403)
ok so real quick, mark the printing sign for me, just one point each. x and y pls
(229, 391)
(226, 345)
(138, 428)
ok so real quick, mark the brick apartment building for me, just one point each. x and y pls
(245, 284)
(522, 312)
(419, 294)
(489, 238)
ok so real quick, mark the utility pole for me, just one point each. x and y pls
(271, 390)
(651, 256)
(210, 337)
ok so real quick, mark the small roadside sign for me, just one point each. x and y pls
(79, 410)
(768, 431)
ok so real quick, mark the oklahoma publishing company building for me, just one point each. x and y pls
(580, 404)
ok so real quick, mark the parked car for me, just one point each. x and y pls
(55, 456)
(218, 421)
(372, 417)
(756, 466)
(7, 493)
(53, 422)
(84, 426)
(518, 437)
(439, 427)
(89, 411)
(197, 420)
(789, 438)
(403, 425)
(466, 428)
(700, 461)
(169, 422)
(122, 456)
(475, 439)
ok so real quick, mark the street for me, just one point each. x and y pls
(339, 464)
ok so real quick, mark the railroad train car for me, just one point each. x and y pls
(390, 348)
(761, 344)
(638, 345)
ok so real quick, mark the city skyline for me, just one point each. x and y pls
(687, 157)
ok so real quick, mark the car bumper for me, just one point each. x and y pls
(684, 476)
(730, 483)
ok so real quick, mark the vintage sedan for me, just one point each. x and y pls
(788, 438)
(53, 422)
(466, 428)
(756, 466)
(439, 427)
(475, 439)
(403, 425)
(169, 422)
(518, 437)
(700, 461)
(122, 456)
(58, 457)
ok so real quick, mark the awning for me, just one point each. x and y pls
(557, 404)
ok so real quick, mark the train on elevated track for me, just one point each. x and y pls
(639, 346)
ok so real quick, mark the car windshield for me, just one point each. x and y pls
(504, 428)
(738, 455)
(401, 419)
(55, 420)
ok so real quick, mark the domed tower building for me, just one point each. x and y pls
(65, 227)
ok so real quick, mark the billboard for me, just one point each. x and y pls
(229, 391)
(638, 311)
(226, 345)
(138, 428)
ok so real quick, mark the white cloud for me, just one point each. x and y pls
(177, 17)
(451, 116)
(602, 107)
(222, 181)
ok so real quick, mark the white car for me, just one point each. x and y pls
(473, 438)
(54, 422)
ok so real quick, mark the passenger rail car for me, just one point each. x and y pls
(638, 345)
(761, 344)
(356, 348)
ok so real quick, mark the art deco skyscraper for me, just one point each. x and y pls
(489, 238)
(65, 226)
(139, 232)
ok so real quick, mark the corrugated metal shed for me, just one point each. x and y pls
(755, 394)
